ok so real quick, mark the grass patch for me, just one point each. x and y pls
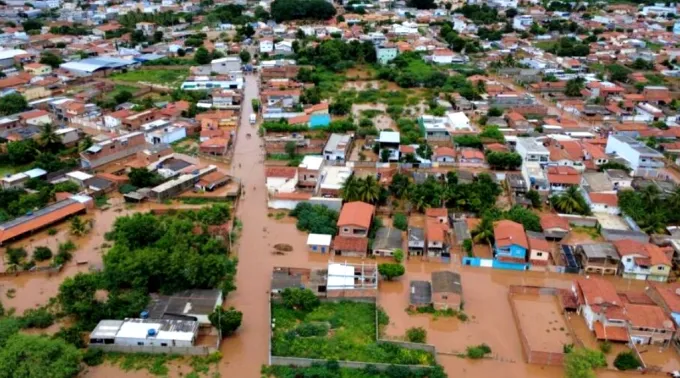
(202, 200)
(545, 45)
(101, 201)
(593, 232)
(655, 79)
(448, 313)
(351, 335)
(153, 363)
(331, 369)
(171, 78)
(121, 88)
(202, 364)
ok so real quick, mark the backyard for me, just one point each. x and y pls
(338, 331)
(167, 77)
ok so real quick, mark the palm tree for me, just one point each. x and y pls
(483, 233)
(78, 227)
(369, 190)
(650, 195)
(350, 189)
(48, 137)
(674, 199)
(569, 202)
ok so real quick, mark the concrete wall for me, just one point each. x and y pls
(331, 203)
(294, 361)
(186, 351)
(580, 221)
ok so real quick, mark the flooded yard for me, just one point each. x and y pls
(541, 320)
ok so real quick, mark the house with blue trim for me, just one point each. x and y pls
(511, 244)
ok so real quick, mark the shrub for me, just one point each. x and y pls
(311, 329)
(627, 361)
(391, 271)
(299, 299)
(467, 246)
(93, 357)
(400, 221)
(398, 255)
(416, 335)
(37, 318)
(42, 253)
(606, 347)
(478, 351)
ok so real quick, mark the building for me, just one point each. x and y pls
(281, 179)
(226, 65)
(387, 240)
(389, 141)
(113, 149)
(511, 244)
(447, 290)
(309, 171)
(352, 280)
(532, 150)
(166, 135)
(195, 305)
(332, 179)
(319, 243)
(540, 249)
(37, 69)
(349, 246)
(136, 334)
(17, 180)
(598, 258)
(562, 178)
(386, 53)
(337, 147)
(420, 294)
(98, 66)
(643, 261)
(355, 219)
(416, 241)
(38, 220)
(602, 308)
(641, 158)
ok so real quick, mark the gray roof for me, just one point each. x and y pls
(516, 180)
(461, 230)
(387, 238)
(599, 251)
(617, 174)
(416, 234)
(336, 139)
(183, 304)
(446, 282)
(597, 181)
(281, 279)
(535, 235)
(532, 146)
(420, 293)
(93, 64)
(638, 146)
(174, 164)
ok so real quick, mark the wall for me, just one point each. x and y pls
(187, 351)
(580, 221)
(331, 203)
(294, 361)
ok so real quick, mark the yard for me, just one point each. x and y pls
(120, 88)
(540, 319)
(338, 331)
(167, 77)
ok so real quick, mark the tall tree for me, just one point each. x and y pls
(570, 202)
(350, 189)
(483, 233)
(48, 137)
(369, 190)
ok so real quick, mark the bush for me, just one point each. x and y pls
(391, 271)
(315, 219)
(93, 357)
(400, 221)
(311, 329)
(299, 299)
(467, 246)
(398, 255)
(627, 361)
(478, 351)
(42, 253)
(416, 335)
(37, 318)
(606, 347)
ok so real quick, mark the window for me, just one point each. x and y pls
(164, 344)
(445, 297)
(539, 254)
(140, 343)
(659, 268)
(345, 229)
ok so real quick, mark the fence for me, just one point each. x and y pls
(151, 349)
(44, 269)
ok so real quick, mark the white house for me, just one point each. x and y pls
(638, 155)
(459, 121)
(522, 22)
(532, 150)
(442, 56)
(166, 135)
(266, 46)
(337, 147)
(281, 179)
(140, 333)
(284, 47)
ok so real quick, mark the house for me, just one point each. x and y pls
(420, 294)
(649, 325)
(355, 219)
(640, 157)
(437, 241)
(386, 53)
(444, 155)
(148, 28)
(532, 150)
(337, 147)
(416, 241)
(309, 171)
(389, 141)
(562, 177)
(511, 244)
(447, 290)
(332, 179)
(137, 335)
(281, 179)
(225, 65)
(607, 202)
(112, 149)
(350, 246)
(667, 297)
(540, 249)
(554, 226)
(266, 45)
(598, 258)
(387, 240)
(37, 69)
(17, 180)
(165, 135)
(643, 261)
(216, 145)
(601, 308)
(193, 304)
(442, 56)
(319, 243)
(471, 157)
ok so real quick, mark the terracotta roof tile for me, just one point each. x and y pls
(507, 233)
(287, 172)
(356, 213)
(348, 243)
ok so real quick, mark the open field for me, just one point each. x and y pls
(170, 78)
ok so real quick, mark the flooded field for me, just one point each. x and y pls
(541, 320)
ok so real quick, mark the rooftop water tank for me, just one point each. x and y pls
(151, 332)
(144, 315)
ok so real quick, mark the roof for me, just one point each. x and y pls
(387, 238)
(93, 64)
(389, 137)
(471, 153)
(609, 199)
(597, 291)
(436, 231)
(349, 243)
(610, 332)
(647, 316)
(600, 251)
(437, 212)
(507, 233)
(446, 282)
(420, 293)
(319, 239)
(184, 304)
(537, 241)
(563, 175)
(356, 213)
(670, 295)
(287, 172)
(39, 219)
(444, 151)
(416, 234)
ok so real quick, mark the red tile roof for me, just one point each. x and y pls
(549, 221)
(507, 233)
(41, 221)
(445, 151)
(436, 212)
(356, 213)
(669, 294)
(348, 243)
(287, 172)
(597, 291)
(610, 333)
(563, 175)
(436, 232)
(609, 199)
(539, 244)
(648, 316)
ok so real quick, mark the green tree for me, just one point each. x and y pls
(391, 271)
(350, 189)
(400, 221)
(48, 137)
(286, 10)
(483, 233)
(144, 178)
(42, 253)
(384, 155)
(291, 149)
(78, 227)
(12, 103)
(51, 59)
(227, 321)
(399, 185)
(570, 201)
(422, 4)
(368, 190)
(245, 56)
(416, 335)
(398, 255)
(123, 96)
(315, 219)
(535, 198)
(202, 56)
(527, 218)
(574, 87)
(27, 356)
(495, 112)
(581, 362)
(300, 299)
(627, 361)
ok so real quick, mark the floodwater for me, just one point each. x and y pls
(542, 322)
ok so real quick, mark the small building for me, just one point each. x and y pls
(355, 219)
(387, 240)
(539, 249)
(389, 141)
(37, 220)
(281, 179)
(598, 258)
(386, 53)
(420, 294)
(447, 290)
(337, 147)
(195, 304)
(348, 246)
(416, 241)
(309, 171)
(113, 149)
(139, 334)
(352, 280)
(555, 226)
(320, 243)
(511, 243)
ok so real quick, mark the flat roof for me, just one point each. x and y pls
(319, 239)
(340, 276)
(80, 176)
(532, 145)
(389, 137)
(164, 329)
(313, 162)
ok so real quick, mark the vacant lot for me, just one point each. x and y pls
(170, 78)
(540, 319)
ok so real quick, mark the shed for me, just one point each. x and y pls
(420, 294)
(387, 240)
(447, 290)
(319, 242)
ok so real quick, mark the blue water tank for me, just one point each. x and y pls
(151, 332)
(144, 315)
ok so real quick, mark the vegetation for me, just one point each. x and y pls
(143, 178)
(286, 10)
(12, 103)
(605, 347)
(316, 219)
(581, 362)
(649, 210)
(42, 253)
(300, 299)
(400, 221)
(391, 271)
(504, 160)
(352, 338)
(570, 201)
(167, 77)
(355, 189)
(627, 361)
(477, 352)
(331, 369)
(416, 335)
(226, 321)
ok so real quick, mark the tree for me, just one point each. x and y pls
(483, 233)
(291, 149)
(48, 137)
(579, 363)
(51, 60)
(369, 190)
(143, 178)
(385, 155)
(245, 56)
(570, 202)
(391, 271)
(399, 185)
(504, 160)
(527, 218)
(400, 221)
(627, 361)
(42, 253)
(315, 219)
(202, 56)
(286, 10)
(123, 96)
(78, 227)
(495, 112)
(12, 103)
(299, 299)
(26, 356)
(226, 321)
(574, 87)
(416, 335)
(398, 255)
(535, 198)
(350, 189)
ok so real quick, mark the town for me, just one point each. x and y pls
(348, 189)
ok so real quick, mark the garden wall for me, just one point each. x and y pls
(579, 220)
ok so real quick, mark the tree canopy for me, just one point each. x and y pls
(316, 219)
(12, 103)
(286, 10)
(28, 356)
